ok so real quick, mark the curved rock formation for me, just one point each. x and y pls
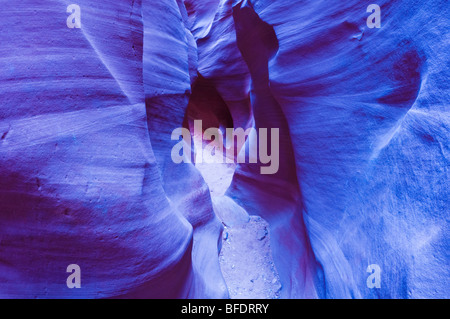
(359, 105)
(84, 178)
(87, 114)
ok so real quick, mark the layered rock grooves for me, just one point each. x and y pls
(87, 178)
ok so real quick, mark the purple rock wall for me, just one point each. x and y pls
(86, 117)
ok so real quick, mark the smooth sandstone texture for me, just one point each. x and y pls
(367, 112)
(86, 116)
(80, 182)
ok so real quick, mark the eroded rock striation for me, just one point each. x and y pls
(87, 114)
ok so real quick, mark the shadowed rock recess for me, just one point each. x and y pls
(87, 178)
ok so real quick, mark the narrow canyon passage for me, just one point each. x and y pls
(246, 257)
(355, 202)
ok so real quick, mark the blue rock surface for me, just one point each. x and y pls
(86, 117)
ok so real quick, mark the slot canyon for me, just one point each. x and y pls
(87, 176)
